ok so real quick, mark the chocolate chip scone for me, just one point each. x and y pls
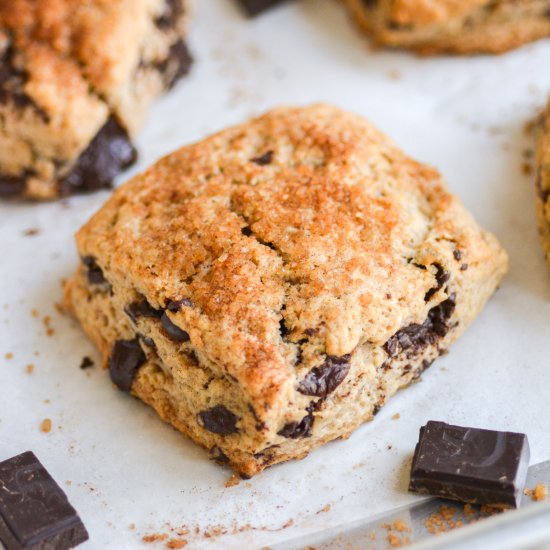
(269, 288)
(76, 80)
(457, 26)
(543, 180)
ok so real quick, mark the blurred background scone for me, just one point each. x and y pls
(543, 180)
(76, 80)
(268, 289)
(457, 26)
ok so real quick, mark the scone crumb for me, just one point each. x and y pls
(155, 537)
(538, 493)
(396, 416)
(29, 368)
(176, 543)
(232, 481)
(401, 526)
(325, 508)
(132, 526)
(46, 425)
(35, 313)
(8, 356)
(47, 324)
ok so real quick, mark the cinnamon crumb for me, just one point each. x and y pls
(29, 368)
(46, 425)
(232, 481)
(176, 543)
(538, 493)
(155, 537)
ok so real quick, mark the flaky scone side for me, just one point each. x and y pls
(268, 289)
(543, 180)
(453, 26)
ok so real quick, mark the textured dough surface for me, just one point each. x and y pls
(456, 26)
(317, 269)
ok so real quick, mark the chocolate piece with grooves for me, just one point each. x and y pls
(34, 511)
(470, 464)
(125, 360)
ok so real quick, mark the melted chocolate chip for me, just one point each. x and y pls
(173, 331)
(176, 305)
(173, 12)
(219, 420)
(95, 273)
(142, 309)
(417, 336)
(176, 65)
(108, 154)
(246, 231)
(297, 430)
(10, 186)
(441, 277)
(323, 380)
(125, 360)
(264, 159)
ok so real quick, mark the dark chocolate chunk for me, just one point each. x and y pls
(441, 277)
(322, 380)
(172, 330)
(417, 336)
(95, 273)
(457, 254)
(283, 329)
(543, 194)
(86, 363)
(34, 511)
(255, 7)
(176, 65)
(147, 341)
(175, 305)
(297, 430)
(470, 464)
(11, 186)
(218, 455)
(246, 231)
(172, 14)
(108, 154)
(142, 309)
(124, 362)
(219, 420)
(264, 159)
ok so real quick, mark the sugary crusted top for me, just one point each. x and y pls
(102, 36)
(306, 215)
(426, 12)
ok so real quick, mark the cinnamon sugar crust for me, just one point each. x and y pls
(277, 282)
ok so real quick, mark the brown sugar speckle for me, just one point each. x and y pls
(46, 425)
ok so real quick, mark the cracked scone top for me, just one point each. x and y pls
(457, 26)
(267, 289)
(76, 80)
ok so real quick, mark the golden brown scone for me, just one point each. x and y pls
(268, 289)
(455, 26)
(76, 80)
(543, 180)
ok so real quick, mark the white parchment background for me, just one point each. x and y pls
(465, 116)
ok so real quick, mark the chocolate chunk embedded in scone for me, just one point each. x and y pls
(278, 303)
(542, 181)
(76, 81)
(462, 27)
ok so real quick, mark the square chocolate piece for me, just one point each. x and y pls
(34, 511)
(470, 464)
(255, 7)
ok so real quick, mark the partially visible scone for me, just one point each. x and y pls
(543, 180)
(457, 26)
(268, 289)
(76, 80)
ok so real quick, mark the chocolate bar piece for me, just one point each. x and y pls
(255, 7)
(34, 511)
(470, 465)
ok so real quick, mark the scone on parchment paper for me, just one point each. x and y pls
(76, 80)
(543, 180)
(268, 289)
(457, 26)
